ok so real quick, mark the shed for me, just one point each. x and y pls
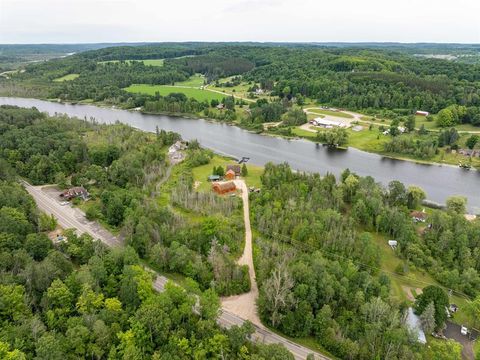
(214, 178)
(223, 187)
(237, 169)
(230, 175)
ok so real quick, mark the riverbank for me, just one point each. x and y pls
(439, 182)
(366, 147)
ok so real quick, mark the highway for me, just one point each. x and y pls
(68, 217)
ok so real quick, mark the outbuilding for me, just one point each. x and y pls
(230, 175)
(422, 113)
(223, 187)
(237, 169)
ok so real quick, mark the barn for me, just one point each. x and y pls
(223, 187)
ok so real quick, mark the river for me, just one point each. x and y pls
(439, 182)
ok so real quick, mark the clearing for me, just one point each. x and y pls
(201, 173)
(68, 77)
(164, 90)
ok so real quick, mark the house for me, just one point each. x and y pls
(230, 175)
(214, 178)
(414, 324)
(237, 169)
(418, 216)
(223, 187)
(78, 191)
(422, 113)
(176, 147)
(468, 152)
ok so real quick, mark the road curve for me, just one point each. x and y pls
(69, 217)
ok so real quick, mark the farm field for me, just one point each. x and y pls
(68, 77)
(198, 94)
(196, 80)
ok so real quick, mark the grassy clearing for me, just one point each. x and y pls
(68, 77)
(331, 113)
(201, 173)
(196, 80)
(164, 90)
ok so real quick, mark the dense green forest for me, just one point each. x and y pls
(317, 262)
(355, 78)
(79, 299)
(121, 168)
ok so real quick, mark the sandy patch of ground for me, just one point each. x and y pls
(410, 294)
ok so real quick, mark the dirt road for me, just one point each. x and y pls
(245, 305)
(68, 217)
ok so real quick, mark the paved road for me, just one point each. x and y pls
(69, 217)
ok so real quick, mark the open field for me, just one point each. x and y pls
(201, 173)
(149, 62)
(331, 113)
(68, 77)
(198, 94)
(196, 80)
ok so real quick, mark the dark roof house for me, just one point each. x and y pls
(418, 216)
(77, 191)
(237, 169)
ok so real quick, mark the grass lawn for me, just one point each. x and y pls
(201, 173)
(331, 113)
(68, 77)
(149, 62)
(164, 90)
(196, 80)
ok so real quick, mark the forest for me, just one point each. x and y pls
(356, 78)
(317, 257)
(319, 266)
(79, 299)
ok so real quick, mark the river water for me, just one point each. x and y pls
(439, 182)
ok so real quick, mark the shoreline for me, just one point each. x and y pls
(264, 133)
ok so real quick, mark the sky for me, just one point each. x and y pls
(93, 21)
